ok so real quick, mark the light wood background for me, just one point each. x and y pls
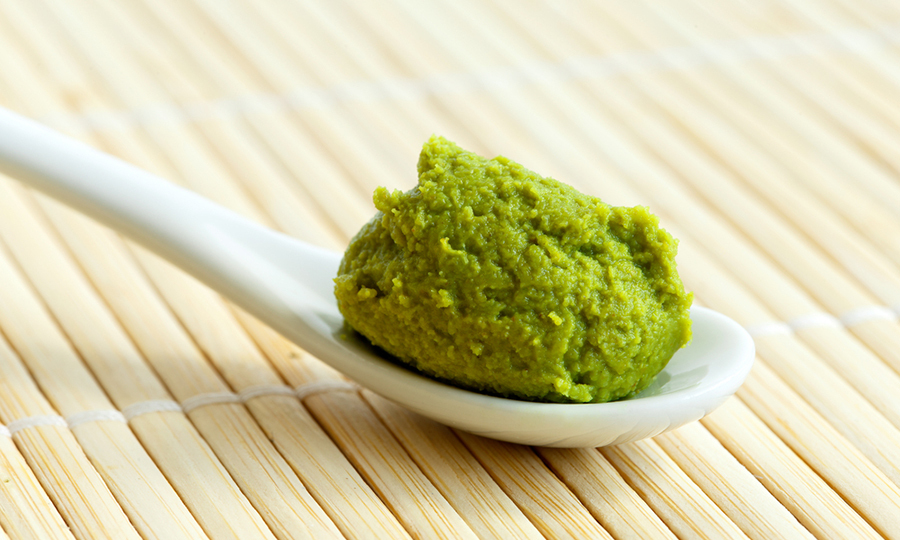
(766, 135)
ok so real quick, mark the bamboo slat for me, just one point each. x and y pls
(264, 476)
(144, 493)
(546, 500)
(74, 486)
(672, 495)
(457, 474)
(188, 463)
(822, 511)
(307, 39)
(195, 471)
(860, 482)
(846, 97)
(334, 130)
(409, 51)
(386, 466)
(26, 510)
(729, 484)
(868, 174)
(336, 483)
(72, 375)
(605, 493)
(292, 147)
(795, 364)
(807, 373)
(129, 472)
(239, 151)
(338, 488)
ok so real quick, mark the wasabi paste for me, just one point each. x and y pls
(492, 278)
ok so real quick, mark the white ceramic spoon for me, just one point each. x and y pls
(288, 284)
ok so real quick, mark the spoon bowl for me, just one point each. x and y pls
(288, 285)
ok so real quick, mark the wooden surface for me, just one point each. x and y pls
(135, 403)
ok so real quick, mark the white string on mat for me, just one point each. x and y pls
(36, 421)
(825, 320)
(213, 398)
(84, 417)
(168, 405)
(317, 387)
(261, 390)
(774, 328)
(814, 320)
(854, 40)
(867, 313)
(151, 406)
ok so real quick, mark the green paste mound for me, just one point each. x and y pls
(493, 278)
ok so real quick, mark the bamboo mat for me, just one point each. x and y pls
(136, 403)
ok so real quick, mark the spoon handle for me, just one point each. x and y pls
(253, 266)
(146, 208)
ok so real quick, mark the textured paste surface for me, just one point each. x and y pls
(493, 278)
